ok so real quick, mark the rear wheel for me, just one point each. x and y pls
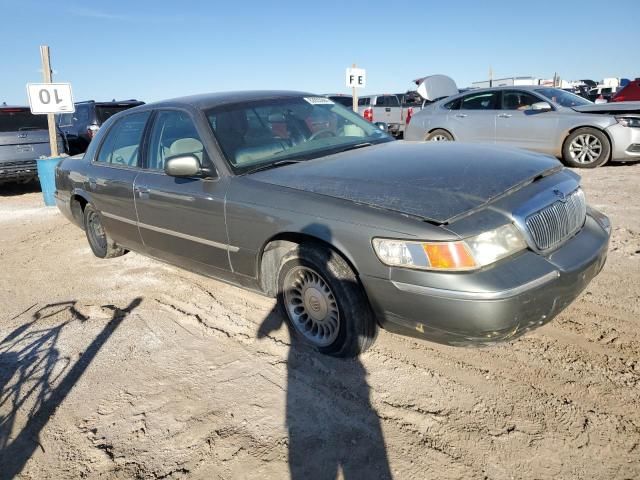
(101, 244)
(324, 303)
(586, 148)
(439, 135)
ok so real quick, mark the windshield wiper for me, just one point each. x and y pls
(270, 165)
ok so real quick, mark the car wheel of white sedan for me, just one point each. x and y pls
(586, 148)
(439, 135)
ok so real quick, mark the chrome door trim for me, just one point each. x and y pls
(173, 233)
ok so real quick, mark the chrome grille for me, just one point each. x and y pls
(554, 224)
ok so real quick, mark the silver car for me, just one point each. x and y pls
(547, 120)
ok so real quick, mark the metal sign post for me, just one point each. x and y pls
(46, 77)
(356, 78)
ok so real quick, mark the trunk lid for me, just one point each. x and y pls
(435, 182)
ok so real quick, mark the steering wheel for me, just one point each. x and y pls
(324, 132)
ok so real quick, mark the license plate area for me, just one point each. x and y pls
(24, 148)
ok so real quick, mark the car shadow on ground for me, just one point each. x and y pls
(15, 189)
(35, 375)
(331, 423)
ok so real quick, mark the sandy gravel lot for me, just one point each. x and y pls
(130, 368)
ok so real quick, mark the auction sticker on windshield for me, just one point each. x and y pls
(319, 101)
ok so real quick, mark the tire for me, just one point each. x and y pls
(101, 244)
(586, 148)
(439, 135)
(312, 279)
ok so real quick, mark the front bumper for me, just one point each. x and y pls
(500, 303)
(625, 142)
(18, 171)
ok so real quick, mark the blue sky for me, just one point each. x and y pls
(152, 50)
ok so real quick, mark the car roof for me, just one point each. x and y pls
(7, 107)
(113, 102)
(211, 100)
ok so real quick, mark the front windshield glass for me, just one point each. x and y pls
(264, 132)
(563, 98)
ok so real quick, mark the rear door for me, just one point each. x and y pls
(475, 121)
(181, 219)
(111, 177)
(519, 125)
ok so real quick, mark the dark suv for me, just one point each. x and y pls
(24, 138)
(82, 125)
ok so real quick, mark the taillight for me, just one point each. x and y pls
(92, 130)
(409, 114)
(368, 114)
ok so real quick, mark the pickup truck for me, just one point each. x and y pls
(389, 108)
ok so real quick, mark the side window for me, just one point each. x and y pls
(81, 115)
(481, 101)
(380, 101)
(454, 104)
(392, 101)
(518, 100)
(174, 134)
(65, 119)
(363, 102)
(121, 147)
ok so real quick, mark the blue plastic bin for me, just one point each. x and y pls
(47, 175)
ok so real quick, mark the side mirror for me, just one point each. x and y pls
(182, 166)
(541, 106)
(382, 126)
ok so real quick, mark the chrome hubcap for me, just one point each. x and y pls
(439, 138)
(585, 148)
(311, 306)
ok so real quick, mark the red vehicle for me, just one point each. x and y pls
(631, 92)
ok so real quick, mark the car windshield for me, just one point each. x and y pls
(563, 98)
(18, 119)
(266, 132)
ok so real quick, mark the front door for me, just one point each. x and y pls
(181, 220)
(111, 177)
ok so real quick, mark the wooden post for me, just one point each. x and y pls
(354, 94)
(46, 76)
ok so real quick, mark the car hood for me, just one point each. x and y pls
(433, 181)
(611, 108)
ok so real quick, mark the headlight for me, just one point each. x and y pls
(629, 121)
(469, 254)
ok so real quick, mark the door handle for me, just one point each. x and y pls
(505, 115)
(461, 115)
(143, 193)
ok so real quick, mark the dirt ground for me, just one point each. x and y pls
(130, 368)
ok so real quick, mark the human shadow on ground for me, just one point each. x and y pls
(35, 375)
(331, 423)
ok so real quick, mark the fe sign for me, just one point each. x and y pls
(50, 98)
(356, 77)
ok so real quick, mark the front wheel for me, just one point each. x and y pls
(586, 148)
(439, 135)
(325, 305)
(101, 244)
